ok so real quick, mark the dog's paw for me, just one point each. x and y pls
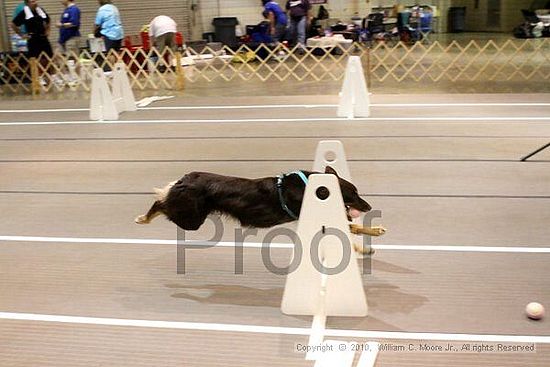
(369, 231)
(378, 231)
(363, 250)
(142, 219)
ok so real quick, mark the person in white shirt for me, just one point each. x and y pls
(162, 32)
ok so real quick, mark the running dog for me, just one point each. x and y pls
(261, 203)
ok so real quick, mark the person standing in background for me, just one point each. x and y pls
(69, 28)
(109, 25)
(37, 23)
(277, 20)
(299, 14)
(69, 42)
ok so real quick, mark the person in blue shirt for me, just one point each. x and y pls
(68, 43)
(109, 25)
(277, 19)
(69, 28)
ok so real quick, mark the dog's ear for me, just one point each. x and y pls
(331, 170)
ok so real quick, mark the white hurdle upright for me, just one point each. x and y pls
(308, 290)
(102, 106)
(354, 97)
(313, 291)
(106, 105)
(122, 92)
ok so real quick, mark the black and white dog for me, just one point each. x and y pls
(263, 202)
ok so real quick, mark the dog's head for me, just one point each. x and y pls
(354, 204)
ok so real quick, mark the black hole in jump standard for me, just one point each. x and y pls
(322, 193)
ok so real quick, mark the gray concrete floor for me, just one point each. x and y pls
(412, 91)
(451, 176)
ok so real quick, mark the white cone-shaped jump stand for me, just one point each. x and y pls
(327, 281)
(308, 289)
(331, 153)
(102, 106)
(354, 97)
(122, 92)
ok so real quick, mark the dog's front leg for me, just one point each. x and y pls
(369, 231)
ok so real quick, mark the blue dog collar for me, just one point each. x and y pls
(300, 174)
(280, 179)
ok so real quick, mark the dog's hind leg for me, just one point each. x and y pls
(189, 220)
(158, 206)
(155, 211)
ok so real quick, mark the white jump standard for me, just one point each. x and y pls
(354, 97)
(106, 105)
(327, 281)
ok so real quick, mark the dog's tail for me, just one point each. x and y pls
(161, 194)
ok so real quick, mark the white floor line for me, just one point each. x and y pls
(459, 248)
(294, 120)
(394, 335)
(242, 107)
(382, 105)
(278, 106)
(464, 104)
(129, 241)
(46, 110)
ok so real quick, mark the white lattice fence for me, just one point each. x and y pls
(266, 63)
(513, 60)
